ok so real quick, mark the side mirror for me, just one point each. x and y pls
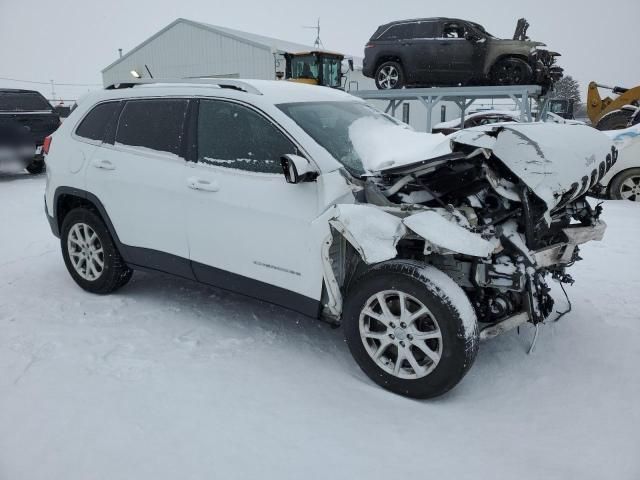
(350, 62)
(471, 37)
(297, 169)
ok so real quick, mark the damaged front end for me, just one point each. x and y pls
(501, 214)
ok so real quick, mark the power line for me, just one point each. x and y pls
(49, 83)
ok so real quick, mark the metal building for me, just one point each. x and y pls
(188, 49)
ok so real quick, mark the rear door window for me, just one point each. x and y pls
(23, 102)
(400, 31)
(157, 124)
(234, 136)
(426, 30)
(94, 125)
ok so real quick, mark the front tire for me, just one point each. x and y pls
(90, 254)
(389, 76)
(511, 71)
(410, 328)
(626, 185)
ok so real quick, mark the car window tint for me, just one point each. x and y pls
(402, 30)
(23, 102)
(426, 30)
(94, 125)
(234, 136)
(155, 123)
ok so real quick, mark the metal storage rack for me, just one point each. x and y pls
(461, 96)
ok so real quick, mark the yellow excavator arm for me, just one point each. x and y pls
(597, 107)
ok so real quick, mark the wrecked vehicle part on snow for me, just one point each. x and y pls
(500, 214)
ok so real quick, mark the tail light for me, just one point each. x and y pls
(46, 145)
(369, 45)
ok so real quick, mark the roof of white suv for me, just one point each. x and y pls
(270, 91)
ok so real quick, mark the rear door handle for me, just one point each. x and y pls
(202, 184)
(103, 164)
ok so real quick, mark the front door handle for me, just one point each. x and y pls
(202, 184)
(103, 164)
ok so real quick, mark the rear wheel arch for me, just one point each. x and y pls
(388, 58)
(67, 199)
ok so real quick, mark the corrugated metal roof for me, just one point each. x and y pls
(269, 42)
(260, 41)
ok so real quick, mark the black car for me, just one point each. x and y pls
(450, 52)
(26, 119)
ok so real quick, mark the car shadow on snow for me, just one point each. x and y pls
(17, 176)
(213, 307)
(233, 315)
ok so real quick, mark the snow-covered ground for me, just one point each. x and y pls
(168, 379)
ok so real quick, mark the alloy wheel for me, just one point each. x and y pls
(630, 189)
(400, 334)
(85, 251)
(388, 77)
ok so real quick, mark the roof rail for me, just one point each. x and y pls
(218, 82)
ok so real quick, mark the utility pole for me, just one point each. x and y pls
(53, 91)
(318, 42)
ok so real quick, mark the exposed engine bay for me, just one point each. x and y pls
(500, 227)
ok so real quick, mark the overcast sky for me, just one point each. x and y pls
(71, 41)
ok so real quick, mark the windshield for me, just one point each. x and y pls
(304, 66)
(328, 124)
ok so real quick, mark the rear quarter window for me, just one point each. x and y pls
(94, 126)
(23, 102)
(157, 124)
(400, 31)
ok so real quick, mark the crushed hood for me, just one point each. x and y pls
(557, 162)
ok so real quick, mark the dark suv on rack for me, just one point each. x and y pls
(450, 52)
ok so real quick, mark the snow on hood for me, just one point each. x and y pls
(381, 144)
(547, 157)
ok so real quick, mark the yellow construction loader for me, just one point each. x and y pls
(317, 67)
(611, 113)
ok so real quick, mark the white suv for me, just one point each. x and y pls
(306, 197)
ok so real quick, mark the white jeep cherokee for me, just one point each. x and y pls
(306, 197)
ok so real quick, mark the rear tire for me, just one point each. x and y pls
(419, 357)
(389, 76)
(615, 120)
(90, 254)
(511, 71)
(626, 186)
